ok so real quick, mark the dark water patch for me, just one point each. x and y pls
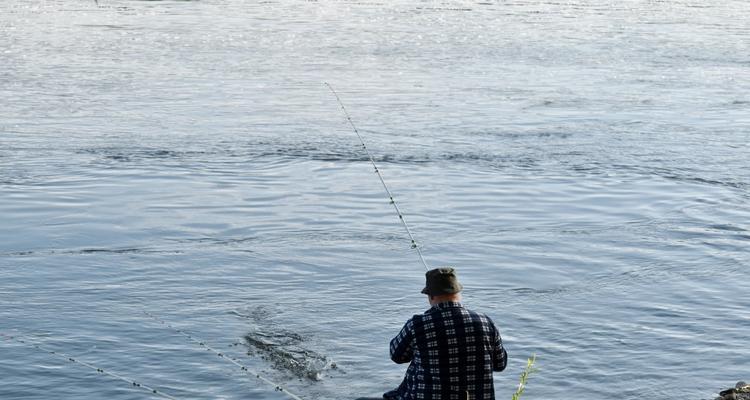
(123, 153)
(255, 314)
(525, 291)
(90, 251)
(22, 253)
(318, 237)
(562, 135)
(725, 247)
(233, 244)
(348, 152)
(676, 174)
(585, 168)
(443, 9)
(286, 350)
(662, 311)
(359, 3)
(309, 151)
(138, 250)
(251, 151)
(544, 103)
(468, 156)
(337, 152)
(217, 241)
(19, 178)
(706, 181)
(109, 251)
(545, 134)
(9, 182)
(104, 26)
(727, 227)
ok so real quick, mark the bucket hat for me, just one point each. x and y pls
(441, 281)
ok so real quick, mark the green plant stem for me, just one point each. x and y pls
(525, 376)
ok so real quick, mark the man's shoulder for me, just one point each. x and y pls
(480, 318)
(468, 311)
(478, 314)
(453, 310)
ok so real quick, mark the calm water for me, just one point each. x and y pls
(584, 165)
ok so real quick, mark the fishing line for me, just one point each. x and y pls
(377, 170)
(74, 360)
(223, 356)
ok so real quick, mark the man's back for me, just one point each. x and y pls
(453, 351)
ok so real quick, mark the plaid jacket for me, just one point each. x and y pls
(451, 351)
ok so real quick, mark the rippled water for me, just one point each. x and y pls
(584, 165)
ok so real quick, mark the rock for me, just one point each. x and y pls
(741, 391)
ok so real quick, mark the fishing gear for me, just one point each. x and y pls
(377, 170)
(74, 360)
(223, 356)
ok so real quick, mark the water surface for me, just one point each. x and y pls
(583, 164)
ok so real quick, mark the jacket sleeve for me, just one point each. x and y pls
(401, 346)
(499, 355)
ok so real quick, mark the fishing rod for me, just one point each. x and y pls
(377, 170)
(223, 356)
(74, 360)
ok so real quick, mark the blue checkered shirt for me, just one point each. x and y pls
(451, 351)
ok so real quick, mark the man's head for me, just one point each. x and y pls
(442, 285)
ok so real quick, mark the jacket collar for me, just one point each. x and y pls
(444, 306)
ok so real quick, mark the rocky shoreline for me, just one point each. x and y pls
(740, 391)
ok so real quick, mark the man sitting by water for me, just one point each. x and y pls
(452, 351)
